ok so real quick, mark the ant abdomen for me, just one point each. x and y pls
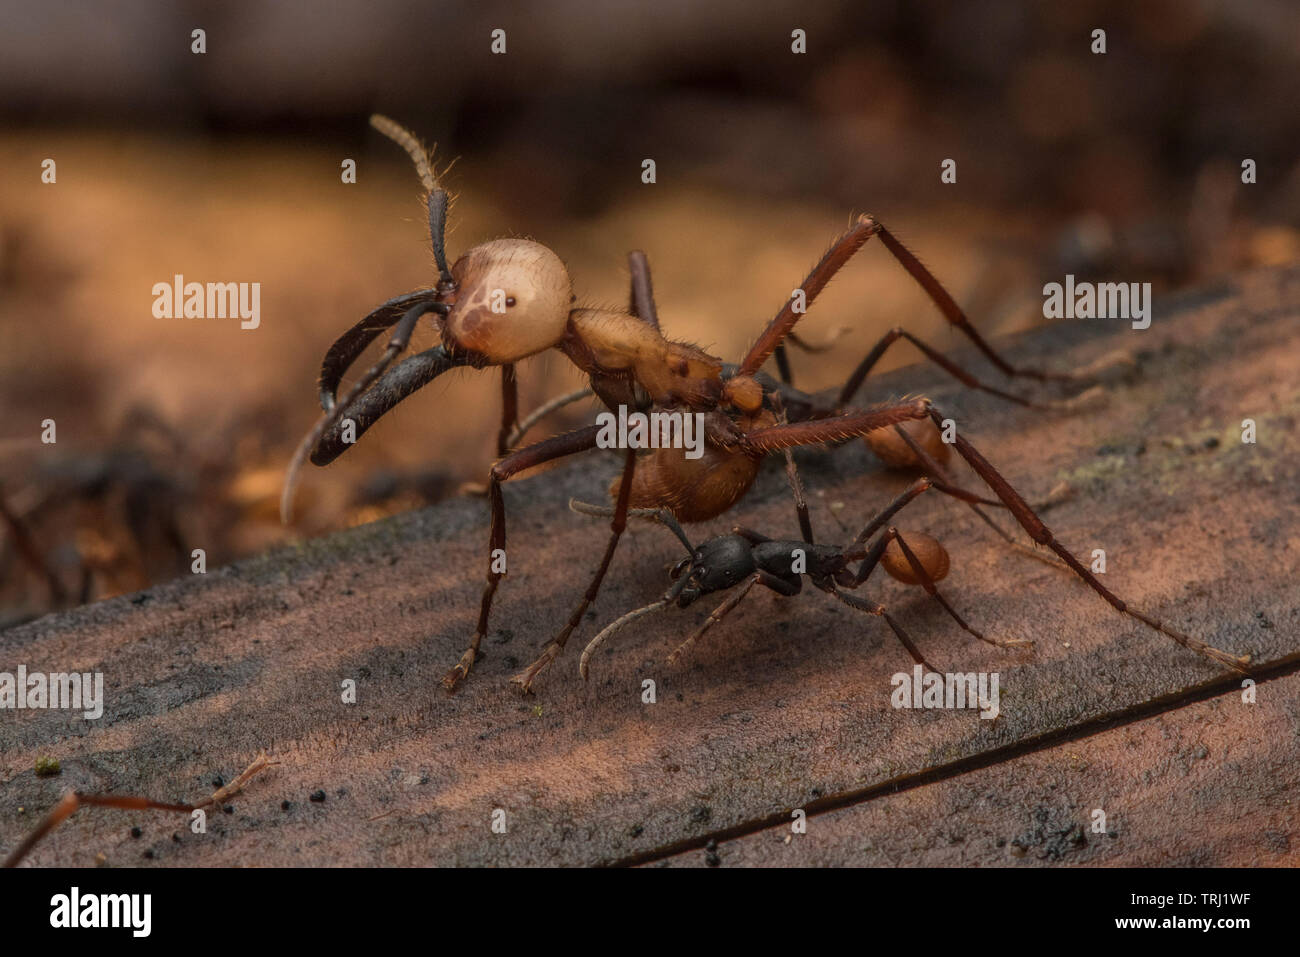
(932, 556)
(892, 449)
(512, 301)
(694, 490)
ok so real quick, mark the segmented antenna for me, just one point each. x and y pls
(408, 141)
(614, 626)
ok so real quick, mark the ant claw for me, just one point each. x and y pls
(524, 680)
(459, 673)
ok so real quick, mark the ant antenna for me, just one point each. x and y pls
(437, 198)
(408, 141)
(631, 616)
(660, 515)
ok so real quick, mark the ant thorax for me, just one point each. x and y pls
(616, 345)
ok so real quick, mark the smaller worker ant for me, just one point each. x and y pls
(746, 558)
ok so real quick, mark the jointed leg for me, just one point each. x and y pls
(509, 407)
(760, 577)
(73, 800)
(833, 429)
(542, 411)
(715, 616)
(1041, 534)
(642, 300)
(873, 608)
(843, 249)
(945, 483)
(873, 559)
(514, 463)
(792, 475)
(854, 382)
(619, 522)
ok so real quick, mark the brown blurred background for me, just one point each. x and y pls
(225, 166)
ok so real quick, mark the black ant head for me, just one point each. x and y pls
(716, 565)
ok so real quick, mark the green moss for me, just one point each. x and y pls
(47, 767)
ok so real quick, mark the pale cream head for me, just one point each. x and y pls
(513, 300)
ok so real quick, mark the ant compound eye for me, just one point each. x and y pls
(538, 301)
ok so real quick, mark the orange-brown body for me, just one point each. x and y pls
(695, 490)
(932, 556)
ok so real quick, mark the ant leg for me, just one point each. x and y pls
(760, 577)
(784, 321)
(877, 550)
(928, 584)
(889, 511)
(788, 435)
(619, 522)
(783, 363)
(782, 357)
(953, 313)
(69, 803)
(31, 552)
(944, 483)
(792, 476)
(545, 451)
(854, 382)
(509, 407)
(840, 252)
(542, 411)
(873, 608)
(1041, 534)
(642, 301)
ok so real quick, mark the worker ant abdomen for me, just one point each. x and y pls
(931, 555)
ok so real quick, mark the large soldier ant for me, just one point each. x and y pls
(508, 299)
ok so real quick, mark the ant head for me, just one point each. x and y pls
(717, 564)
(512, 300)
